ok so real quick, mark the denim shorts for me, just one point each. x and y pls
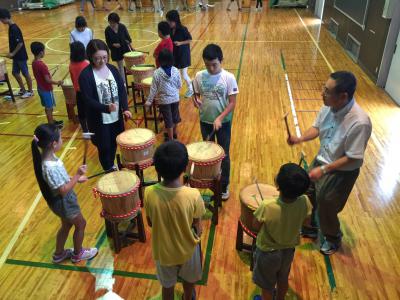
(47, 98)
(20, 66)
(67, 207)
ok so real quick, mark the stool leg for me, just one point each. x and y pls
(109, 229)
(239, 237)
(116, 238)
(126, 81)
(141, 231)
(134, 97)
(217, 200)
(155, 116)
(70, 111)
(253, 246)
(145, 116)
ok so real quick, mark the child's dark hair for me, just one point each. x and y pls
(78, 52)
(45, 135)
(94, 46)
(36, 48)
(113, 17)
(292, 180)
(212, 51)
(4, 14)
(173, 16)
(171, 160)
(80, 22)
(165, 58)
(164, 28)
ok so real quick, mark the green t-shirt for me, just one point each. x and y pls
(281, 222)
(215, 91)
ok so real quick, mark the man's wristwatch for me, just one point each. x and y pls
(324, 170)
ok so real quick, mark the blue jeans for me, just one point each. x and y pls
(224, 140)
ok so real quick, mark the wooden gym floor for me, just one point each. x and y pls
(254, 45)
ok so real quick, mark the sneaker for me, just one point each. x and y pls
(61, 257)
(328, 248)
(20, 93)
(161, 13)
(27, 94)
(225, 195)
(309, 232)
(85, 254)
(189, 93)
(59, 124)
(112, 169)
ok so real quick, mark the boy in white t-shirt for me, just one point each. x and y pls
(217, 89)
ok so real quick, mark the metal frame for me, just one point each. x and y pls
(347, 15)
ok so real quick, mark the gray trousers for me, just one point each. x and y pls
(328, 197)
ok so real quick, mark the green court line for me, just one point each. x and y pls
(283, 62)
(327, 260)
(86, 269)
(242, 49)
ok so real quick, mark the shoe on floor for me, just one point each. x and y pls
(225, 195)
(61, 257)
(85, 254)
(328, 248)
(189, 93)
(20, 93)
(309, 232)
(27, 94)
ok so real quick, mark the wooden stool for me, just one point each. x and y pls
(215, 187)
(8, 92)
(139, 168)
(153, 116)
(137, 92)
(112, 222)
(240, 245)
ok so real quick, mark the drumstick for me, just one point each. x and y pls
(195, 101)
(65, 76)
(210, 135)
(98, 174)
(259, 191)
(287, 125)
(130, 48)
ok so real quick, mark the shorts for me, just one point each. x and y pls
(272, 267)
(20, 66)
(191, 271)
(170, 113)
(67, 207)
(47, 98)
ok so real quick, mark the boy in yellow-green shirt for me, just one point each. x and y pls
(279, 222)
(172, 211)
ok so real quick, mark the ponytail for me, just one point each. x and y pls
(45, 135)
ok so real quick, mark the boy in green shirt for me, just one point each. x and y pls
(172, 210)
(279, 222)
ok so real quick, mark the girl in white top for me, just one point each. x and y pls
(81, 33)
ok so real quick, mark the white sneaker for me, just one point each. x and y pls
(27, 94)
(225, 196)
(85, 254)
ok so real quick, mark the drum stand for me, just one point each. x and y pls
(240, 245)
(215, 187)
(122, 238)
(9, 92)
(153, 115)
(139, 172)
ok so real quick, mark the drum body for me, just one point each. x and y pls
(136, 146)
(133, 58)
(141, 72)
(69, 92)
(118, 192)
(207, 158)
(250, 200)
(3, 69)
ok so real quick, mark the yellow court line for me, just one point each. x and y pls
(31, 209)
(315, 42)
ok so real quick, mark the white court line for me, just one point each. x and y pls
(31, 209)
(315, 42)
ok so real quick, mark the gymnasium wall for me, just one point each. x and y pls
(372, 37)
(9, 4)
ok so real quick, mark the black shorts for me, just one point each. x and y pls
(170, 113)
(272, 267)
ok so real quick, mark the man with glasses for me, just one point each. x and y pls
(344, 130)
